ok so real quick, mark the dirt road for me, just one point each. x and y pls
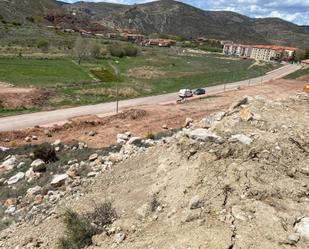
(43, 118)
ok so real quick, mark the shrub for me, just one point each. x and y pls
(102, 215)
(45, 152)
(131, 50)
(78, 231)
(117, 51)
(43, 45)
(150, 135)
(81, 228)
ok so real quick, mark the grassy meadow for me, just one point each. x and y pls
(154, 71)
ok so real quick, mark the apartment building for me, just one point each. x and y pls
(260, 52)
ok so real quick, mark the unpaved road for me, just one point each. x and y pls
(44, 118)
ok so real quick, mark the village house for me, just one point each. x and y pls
(158, 42)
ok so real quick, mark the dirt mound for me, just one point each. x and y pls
(235, 179)
(145, 72)
(304, 78)
(132, 114)
(12, 98)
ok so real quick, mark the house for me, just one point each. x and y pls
(158, 42)
(134, 37)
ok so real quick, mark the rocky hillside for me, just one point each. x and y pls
(235, 179)
(175, 18)
(20, 10)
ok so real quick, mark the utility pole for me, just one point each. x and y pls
(116, 71)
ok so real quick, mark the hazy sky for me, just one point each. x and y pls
(296, 11)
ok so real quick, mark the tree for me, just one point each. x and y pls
(95, 50)
(299, 55)
(81, 49)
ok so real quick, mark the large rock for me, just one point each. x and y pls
(38, 165)
(9, 164)
(14, 179)
(204, 135)
(3, 148)
(59, 180)
(241, 138)
(35, 190)
(93, 157)
(135, 140)
(302, 228)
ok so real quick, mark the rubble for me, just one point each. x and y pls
(222, 182)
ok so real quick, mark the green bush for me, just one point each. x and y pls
(81, 228)
(79, 231)
(117, 51)
(45, 152)
(131, 50)
(43, 45)
(120, 51)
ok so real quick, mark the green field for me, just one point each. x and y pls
(297, 74)
(25, 72)
(154, 71)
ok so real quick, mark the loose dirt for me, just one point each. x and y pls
(14, 97)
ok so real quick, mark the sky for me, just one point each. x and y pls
(296, 11)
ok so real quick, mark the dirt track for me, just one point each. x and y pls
(146, 118)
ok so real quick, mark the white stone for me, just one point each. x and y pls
(38, 165)
(16, 178)
(59, 180)
(242, 138)
(34, 190)
(9, 163)
(302, 228)
(204, 135)
(57, 142)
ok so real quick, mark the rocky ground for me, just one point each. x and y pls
(235, 179)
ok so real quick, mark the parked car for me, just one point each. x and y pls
(306, 88)
(185, 93)
(199, 91)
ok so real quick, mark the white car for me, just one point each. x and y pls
(185, 93)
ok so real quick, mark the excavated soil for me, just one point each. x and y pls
(246, 196)
(13, 97)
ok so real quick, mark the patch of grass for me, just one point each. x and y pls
(297, 74)
(17, 111)
(103, 75)
(25, 72)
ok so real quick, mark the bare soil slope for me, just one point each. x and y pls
(236, 179)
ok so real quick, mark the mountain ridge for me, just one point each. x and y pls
(177, 18)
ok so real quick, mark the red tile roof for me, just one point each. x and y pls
(274, 47)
